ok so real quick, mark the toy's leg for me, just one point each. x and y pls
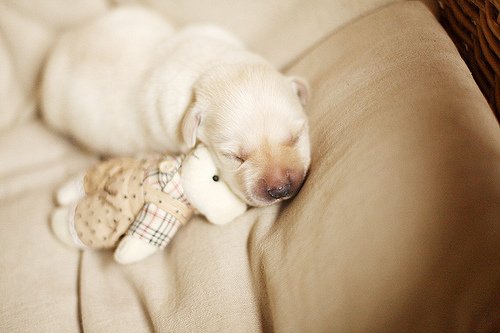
(72, 191)
(132, 249)
(62, 225)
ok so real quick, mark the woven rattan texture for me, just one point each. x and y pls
(474, 26)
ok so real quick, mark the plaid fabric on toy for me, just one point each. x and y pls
(168, 180)
(154, 225)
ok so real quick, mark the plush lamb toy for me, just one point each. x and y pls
(141, 203)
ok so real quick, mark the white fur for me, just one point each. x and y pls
(127, 82)
(121, 84)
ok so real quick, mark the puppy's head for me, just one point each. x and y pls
(252, 119)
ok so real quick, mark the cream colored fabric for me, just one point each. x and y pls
(38, 277)
(114, 196)
(27, 31)
(279, 30)
(396, 228)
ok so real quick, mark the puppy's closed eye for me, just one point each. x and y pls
(294, 137)
(237, 158)
(292, 140)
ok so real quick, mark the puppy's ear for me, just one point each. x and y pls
(191, 123)
(301, 89)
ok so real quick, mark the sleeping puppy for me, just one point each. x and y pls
(128, 83)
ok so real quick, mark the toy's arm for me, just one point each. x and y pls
(132, 249)
(152, 229)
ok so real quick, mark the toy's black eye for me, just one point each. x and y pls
(215, 178)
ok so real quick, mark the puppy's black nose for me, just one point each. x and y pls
(280, 192)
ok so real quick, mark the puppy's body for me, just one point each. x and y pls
(128, 82)
(105, 82)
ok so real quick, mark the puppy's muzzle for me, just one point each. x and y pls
(280, 192)
(280, 184)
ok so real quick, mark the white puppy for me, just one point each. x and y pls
(128, 82)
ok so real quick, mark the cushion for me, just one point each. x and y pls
(394, 228)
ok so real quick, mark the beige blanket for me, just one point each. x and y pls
(396, 228)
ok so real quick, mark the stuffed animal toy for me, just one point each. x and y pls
(140, 204)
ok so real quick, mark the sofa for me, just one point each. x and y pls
(395, 230)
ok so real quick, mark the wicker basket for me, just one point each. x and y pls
(474, 27)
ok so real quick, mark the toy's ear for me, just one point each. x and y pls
(301, 89)
(191, 122)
